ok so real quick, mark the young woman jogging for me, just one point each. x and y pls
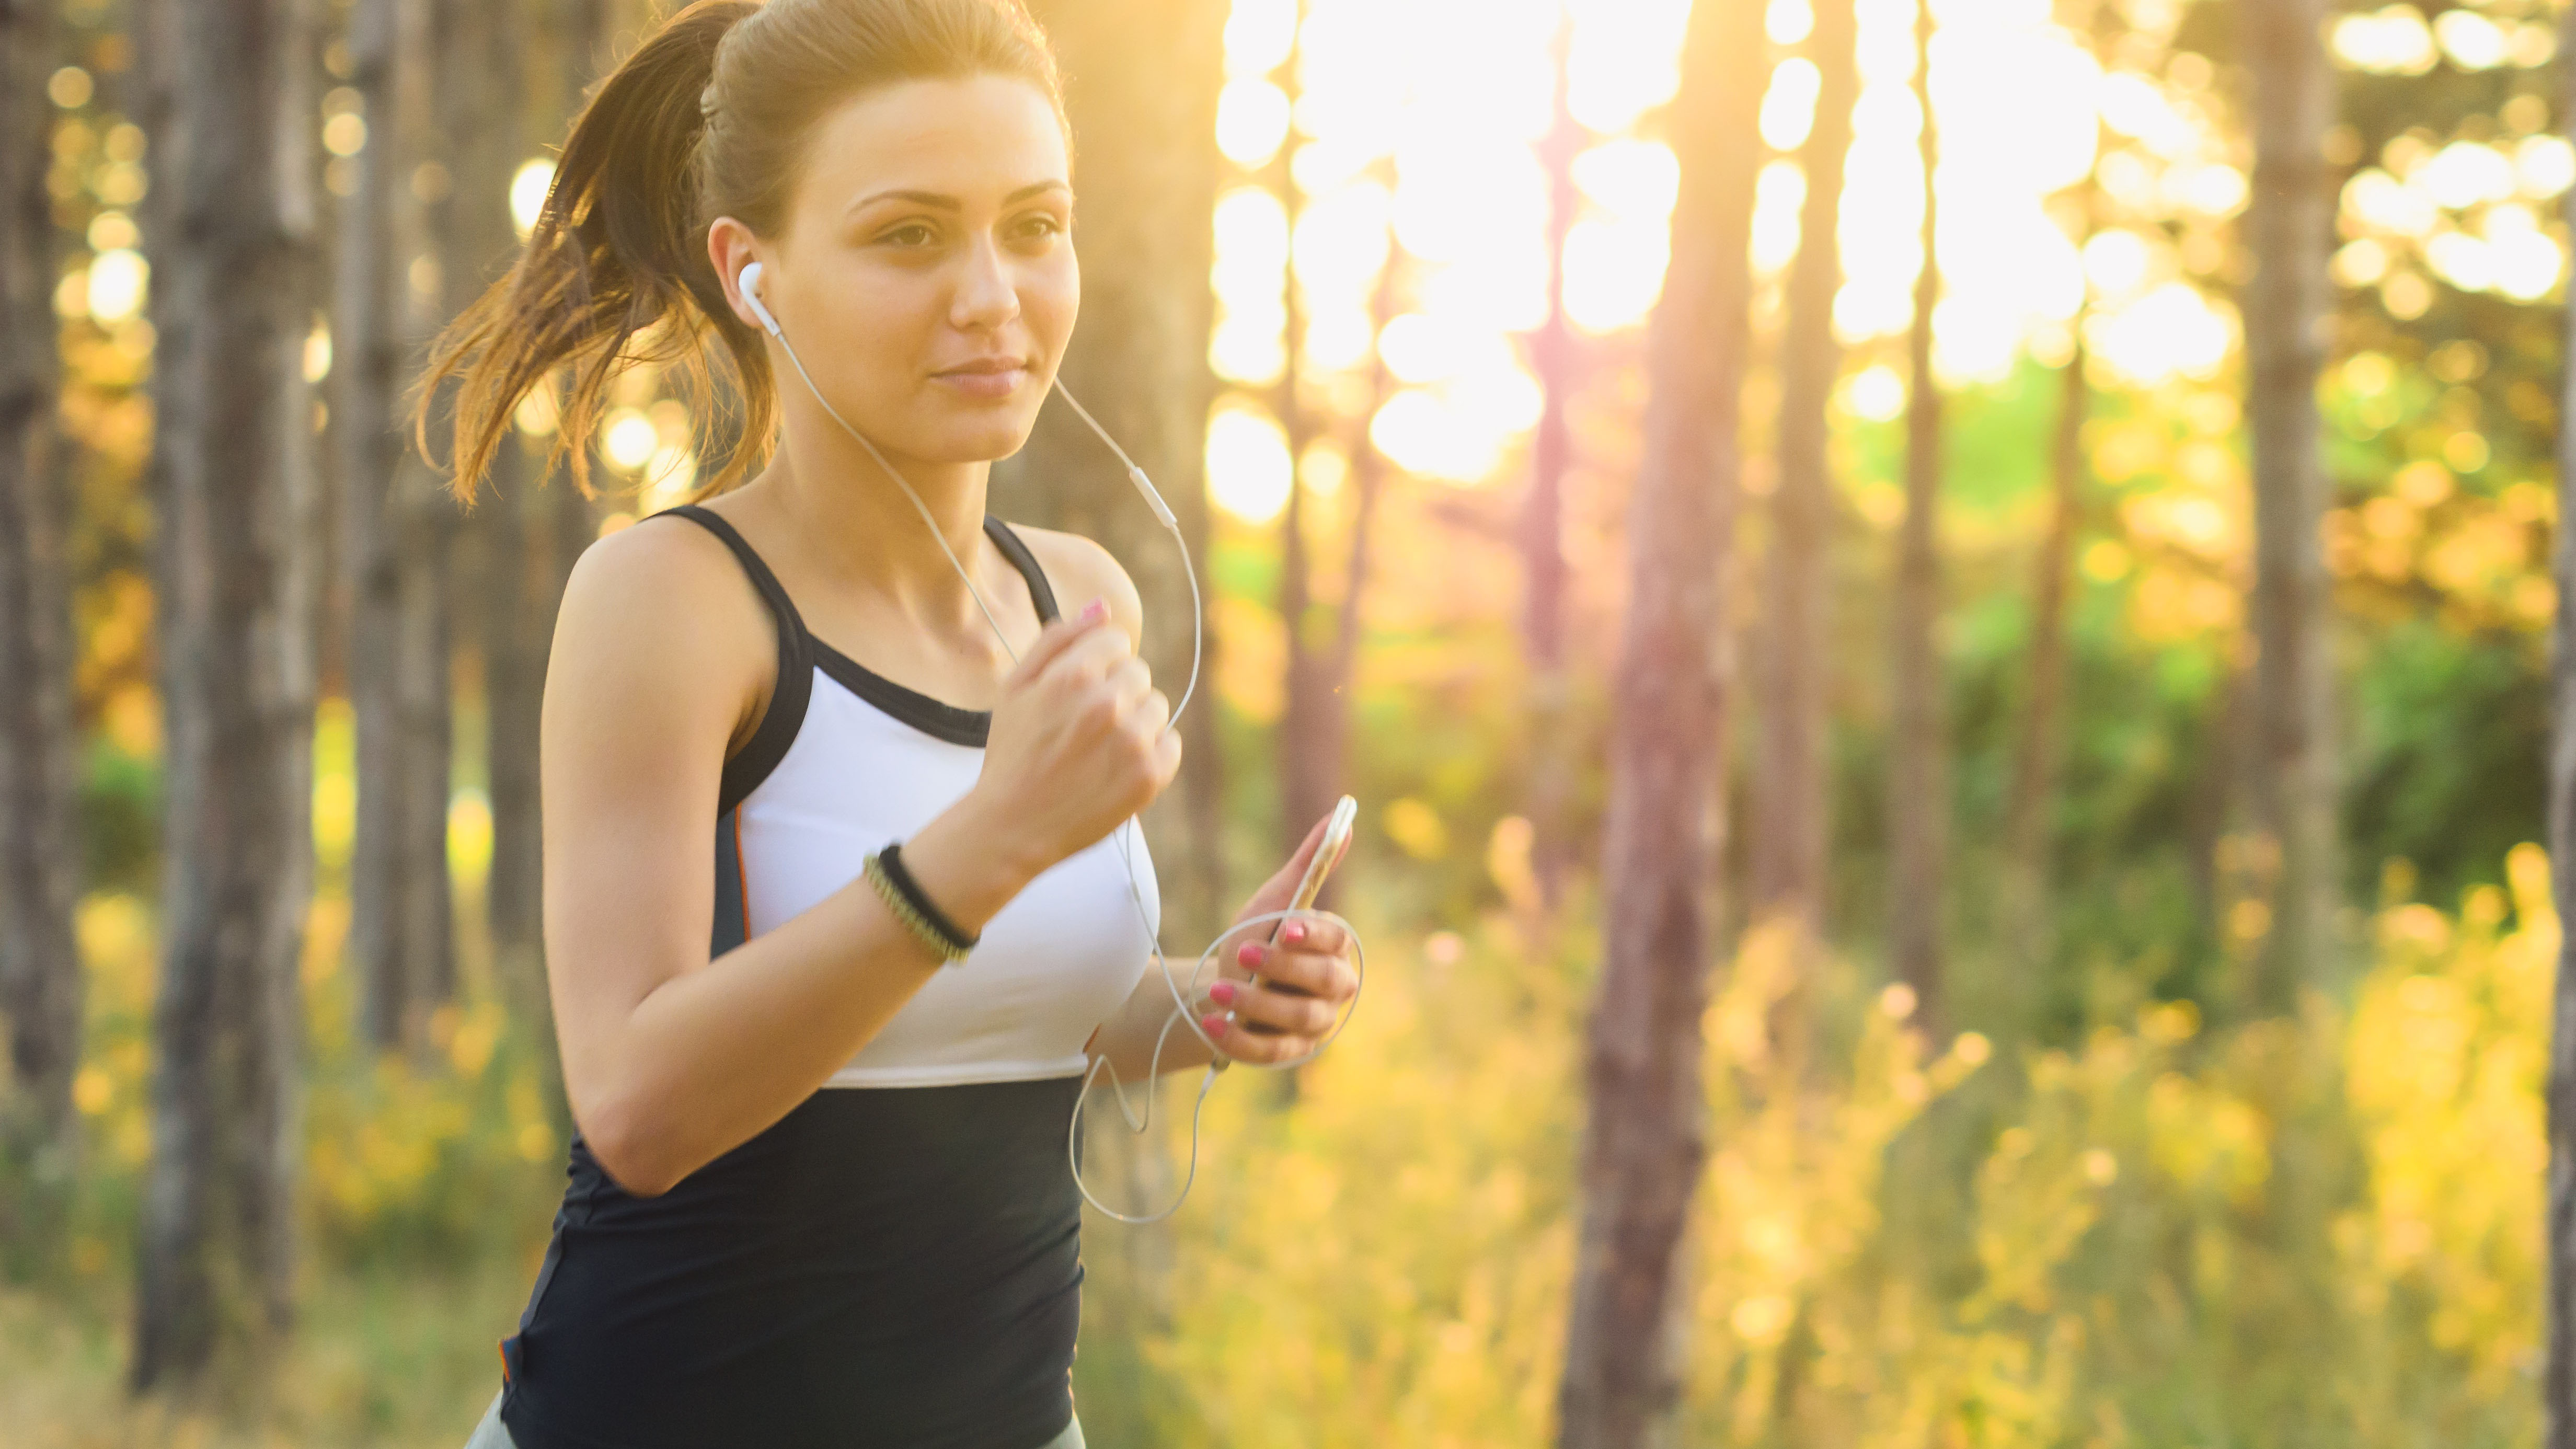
(819, 1194)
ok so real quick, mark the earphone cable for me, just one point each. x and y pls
(918, 506)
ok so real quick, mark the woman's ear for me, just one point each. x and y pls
(730, 248)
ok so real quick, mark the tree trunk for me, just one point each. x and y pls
(480, 98)
(1556, 358)
(394, 541)
(366, 376)
(1643, 1149)
(1139, 362)
(423, 684)
(424, 518)
(532, 536)
(517, 628)
(507, 590)
(557, 522)
(1792, 786)
(1368, 486)
(2558, 1377)
(2285, 303)
(231, 106)
(2288, 225)
(1328, 673)
(2029, 811)
(1918, 790)
(1141, 81)
(40, 857)
(1308, 774)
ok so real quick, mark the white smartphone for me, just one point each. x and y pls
(1328, 853)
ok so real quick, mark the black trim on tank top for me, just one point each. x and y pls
(930, 716)
(937, 718)
(933, 717)
(1008, 541)
(785, 714)
(732, 921)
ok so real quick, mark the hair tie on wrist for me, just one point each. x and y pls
(912, 905)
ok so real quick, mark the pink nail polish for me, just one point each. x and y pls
(1095, 611)
(1250, 954)
(1213, 1023)
(1222, 993)
(1296, 931)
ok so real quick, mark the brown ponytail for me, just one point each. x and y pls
(706, 119)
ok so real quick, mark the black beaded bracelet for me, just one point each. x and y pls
(952, 943)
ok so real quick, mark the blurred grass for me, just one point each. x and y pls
(2321, 1232)
(398, 1358)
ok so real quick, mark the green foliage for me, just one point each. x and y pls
(1388, 1261)
(120, 814)
(404, 1161)
(2446, 763)
(2314, 1232)
(383, 1359)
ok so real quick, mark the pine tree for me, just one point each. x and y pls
(1643, 1149)
(229, 103)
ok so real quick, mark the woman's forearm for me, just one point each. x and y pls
(716, 1054)
(1127, 1037)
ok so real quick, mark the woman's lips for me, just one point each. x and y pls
(994, 379)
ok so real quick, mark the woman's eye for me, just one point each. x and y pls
(1040, 226)
(912, 235)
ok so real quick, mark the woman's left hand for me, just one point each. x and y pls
(1283, 996)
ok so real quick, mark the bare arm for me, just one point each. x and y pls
(660, 656)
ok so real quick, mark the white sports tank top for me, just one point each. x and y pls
(846, 760)
(897, 1261)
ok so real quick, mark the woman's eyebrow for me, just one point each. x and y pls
(951, 203)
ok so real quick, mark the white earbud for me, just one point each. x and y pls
(749, 283)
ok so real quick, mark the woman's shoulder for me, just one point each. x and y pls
(1079, 569)
(663, 598)
(659, 568)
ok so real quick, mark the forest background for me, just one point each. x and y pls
(1997, 807)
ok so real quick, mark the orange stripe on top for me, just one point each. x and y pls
(741, 872)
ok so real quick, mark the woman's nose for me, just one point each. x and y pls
(986, 294)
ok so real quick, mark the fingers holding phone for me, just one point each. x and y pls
(1280, 997)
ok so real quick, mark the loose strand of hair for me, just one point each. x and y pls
(609, 258)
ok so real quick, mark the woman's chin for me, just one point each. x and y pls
(984, 435)
(982, 441)
(958, 431)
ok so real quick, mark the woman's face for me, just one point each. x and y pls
(925, 272)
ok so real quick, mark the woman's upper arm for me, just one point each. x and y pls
(657, 659)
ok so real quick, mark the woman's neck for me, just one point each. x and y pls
(851, 520)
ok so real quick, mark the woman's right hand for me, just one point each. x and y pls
(1078, 741)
